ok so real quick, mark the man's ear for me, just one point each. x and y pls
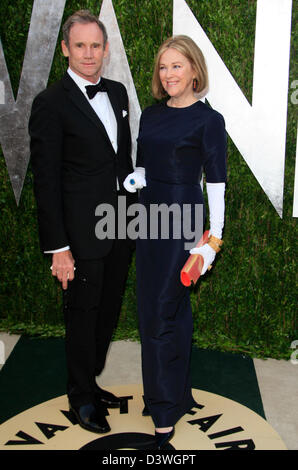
(64, 48)
(107, 48)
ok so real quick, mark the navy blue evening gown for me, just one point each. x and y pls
(174, 146)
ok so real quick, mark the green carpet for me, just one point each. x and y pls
(35, 372)
(230, 375)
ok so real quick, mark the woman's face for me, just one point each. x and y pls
(176, 74)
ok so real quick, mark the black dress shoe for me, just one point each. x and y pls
(107, 398)
(162, 438)
(91, 417)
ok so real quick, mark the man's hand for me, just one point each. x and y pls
(63, 267)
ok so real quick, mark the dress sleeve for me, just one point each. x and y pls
(139, 159)
(214, 147)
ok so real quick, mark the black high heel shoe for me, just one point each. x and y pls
(145, 411)
(162, 438)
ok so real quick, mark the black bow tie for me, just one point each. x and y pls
(91, 90)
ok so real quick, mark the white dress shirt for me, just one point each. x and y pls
(103, 108)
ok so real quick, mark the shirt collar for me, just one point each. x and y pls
(81, 82)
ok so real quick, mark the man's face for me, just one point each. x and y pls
(85, 50)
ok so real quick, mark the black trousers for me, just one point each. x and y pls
(92, 304)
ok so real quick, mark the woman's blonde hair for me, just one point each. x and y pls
(186, 46)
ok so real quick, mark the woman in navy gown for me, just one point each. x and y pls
(179, 138)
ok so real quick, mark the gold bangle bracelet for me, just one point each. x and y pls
(216, 240)
(214, 246)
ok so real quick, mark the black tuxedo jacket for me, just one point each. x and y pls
(75, 166)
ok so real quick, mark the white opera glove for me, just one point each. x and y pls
(135, 180)
(208, 254)
(216, 203)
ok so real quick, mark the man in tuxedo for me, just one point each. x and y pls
(80, 153)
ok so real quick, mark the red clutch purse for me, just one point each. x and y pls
(192, 269)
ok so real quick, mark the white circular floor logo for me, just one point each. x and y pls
(216, 423)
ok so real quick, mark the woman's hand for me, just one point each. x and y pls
(135, 180)
(208, 255)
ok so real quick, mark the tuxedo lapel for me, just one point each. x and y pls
(117, 110)
(82, 104)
